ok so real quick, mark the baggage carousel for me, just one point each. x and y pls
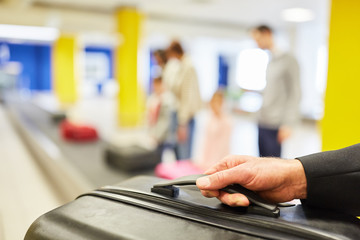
(74, 168)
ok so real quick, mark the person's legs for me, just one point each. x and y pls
(268, 143)
(191, 132)
(172, 139)
(184, 149)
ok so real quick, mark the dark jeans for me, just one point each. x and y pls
(268, 142)
(184, 150)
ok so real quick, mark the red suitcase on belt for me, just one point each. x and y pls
(76, 132)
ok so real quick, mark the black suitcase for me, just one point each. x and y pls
(130, 210)
(131, 158)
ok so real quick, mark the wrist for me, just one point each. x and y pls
(297, 180)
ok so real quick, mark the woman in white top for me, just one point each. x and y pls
(181, 79)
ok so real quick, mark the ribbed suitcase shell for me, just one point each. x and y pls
(108, 215)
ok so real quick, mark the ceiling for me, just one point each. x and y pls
(231, 12)
(227, 19)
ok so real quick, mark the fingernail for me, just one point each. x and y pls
(203, 182)
(241, 201)
(210, 194)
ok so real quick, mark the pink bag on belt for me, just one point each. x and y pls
(176, 169)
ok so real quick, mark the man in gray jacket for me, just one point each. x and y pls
(281, 96)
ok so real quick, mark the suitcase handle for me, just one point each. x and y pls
(167, 188)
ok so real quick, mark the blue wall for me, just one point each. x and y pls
(36, 65)
(223, 72)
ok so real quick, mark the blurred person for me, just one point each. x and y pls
(159, 109)
(326, 180)
(216, 144)
(182, 81)
(161, 60)
(281, 97)
(160, 57)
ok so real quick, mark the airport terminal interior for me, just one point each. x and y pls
(79, 84)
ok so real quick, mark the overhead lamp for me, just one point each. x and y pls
(297, 15)
(31, 33)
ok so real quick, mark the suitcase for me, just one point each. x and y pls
(77, 133)
(146, 207)
(176, 169)
(57, 116)
(131, 158)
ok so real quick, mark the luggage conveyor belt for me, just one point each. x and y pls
(79, 165)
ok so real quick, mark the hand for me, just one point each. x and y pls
(182, 133)
(276, 180)
(284, 133)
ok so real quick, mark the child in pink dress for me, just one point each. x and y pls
(216, 143)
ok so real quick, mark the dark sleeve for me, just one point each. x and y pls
(333, 179)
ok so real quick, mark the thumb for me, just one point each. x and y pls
(218, 180)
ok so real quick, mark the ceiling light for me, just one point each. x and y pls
(297, 15)
(32, 33)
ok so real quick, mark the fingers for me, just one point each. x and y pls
(222, 165)
(210, 193)
(283, 134)
(226, 172)
(219, 180)
(234, 200)
(227, 163)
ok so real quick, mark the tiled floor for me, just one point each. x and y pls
(26, 194)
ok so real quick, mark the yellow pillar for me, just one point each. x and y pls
(64, 69)
(130, 103)
(341, 123)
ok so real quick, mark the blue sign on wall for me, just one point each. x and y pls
(99, 65)
(109, 54)
(223, 72)
(36, 65)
